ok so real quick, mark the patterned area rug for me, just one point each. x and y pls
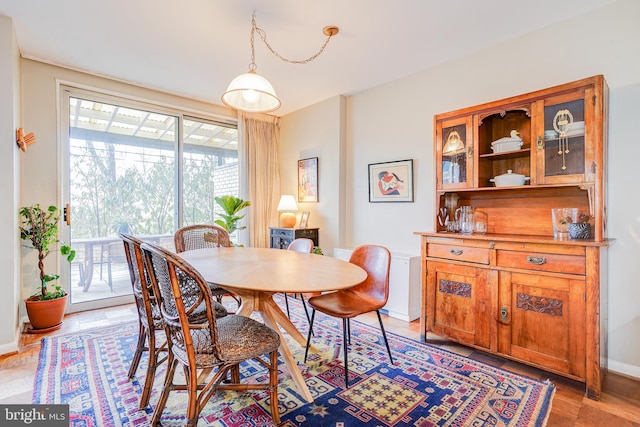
(427, 386)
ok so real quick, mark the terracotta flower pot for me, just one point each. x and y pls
(46, 315)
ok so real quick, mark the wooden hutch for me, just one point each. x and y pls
(516, 291)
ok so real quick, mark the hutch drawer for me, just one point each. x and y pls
(458, 253)
(555, 263)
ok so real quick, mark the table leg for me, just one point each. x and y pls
(272, 316)
(284, 321)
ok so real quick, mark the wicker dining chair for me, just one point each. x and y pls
(150, 322)
(149, 318)
(207, 351)
(201, 236)
(370, 295)
(305, 246)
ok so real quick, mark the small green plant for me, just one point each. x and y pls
(230, 218)
(317, 250)
(40, 227)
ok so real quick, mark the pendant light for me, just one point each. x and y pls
(253, 93)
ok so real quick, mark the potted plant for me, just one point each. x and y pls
(581, 229)
(46, 307)
(232, 206)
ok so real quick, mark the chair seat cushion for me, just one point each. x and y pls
(243, 338)
(239, 338)
(344, 304)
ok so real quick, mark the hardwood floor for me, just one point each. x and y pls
(619, 405)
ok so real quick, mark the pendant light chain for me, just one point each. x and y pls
(253, 66)
(329, 31)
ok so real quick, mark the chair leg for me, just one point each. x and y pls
(304, 304)
(151, 369)
(384, 335)
(81, 272)
(109, 279)
(349, 330)
(286, 302)
(306, 311)
(168, 386)
(306, 350)
(139, 349)
(235, 374)
(345, 327)
(191, 376)
(273, 386)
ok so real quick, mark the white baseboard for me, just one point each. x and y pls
(624, 368)
(11, 347)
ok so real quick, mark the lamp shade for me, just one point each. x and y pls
(287, 206)
(287, 203)
(251, 92)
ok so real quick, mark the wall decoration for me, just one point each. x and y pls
(304, 219)
(308, 180)
(391, 181)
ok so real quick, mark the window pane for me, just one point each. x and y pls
(122, 179)
(210, 168)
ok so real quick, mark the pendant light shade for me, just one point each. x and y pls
(251, 92)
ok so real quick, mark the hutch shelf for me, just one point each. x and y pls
(516, 290)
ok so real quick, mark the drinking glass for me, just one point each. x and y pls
(561, 218)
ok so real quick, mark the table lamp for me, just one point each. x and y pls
(287, 207)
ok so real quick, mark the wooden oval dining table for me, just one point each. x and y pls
(256, 274)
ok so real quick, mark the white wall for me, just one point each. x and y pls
(318, 131)
(395, 122)
(9, 184)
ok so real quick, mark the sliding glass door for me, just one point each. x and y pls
(139, 169)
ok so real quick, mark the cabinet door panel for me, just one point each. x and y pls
(546, 319)
(567, 126)
(460, 306)
(454, 153)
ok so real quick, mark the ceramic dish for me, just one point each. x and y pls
(510, 179)
(502, 146)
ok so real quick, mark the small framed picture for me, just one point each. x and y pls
(304, 219)
(308, 180)
(391, 181)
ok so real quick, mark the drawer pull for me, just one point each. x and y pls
(537, 260)
(456, 251)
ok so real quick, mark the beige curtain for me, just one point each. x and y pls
(260, 137)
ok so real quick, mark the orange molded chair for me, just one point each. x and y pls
(370, 295)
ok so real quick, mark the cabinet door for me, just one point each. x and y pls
(459, 303)
(454, 153)
(542, 320)
(566, 136)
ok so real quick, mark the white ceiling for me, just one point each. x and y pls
(195, 47)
